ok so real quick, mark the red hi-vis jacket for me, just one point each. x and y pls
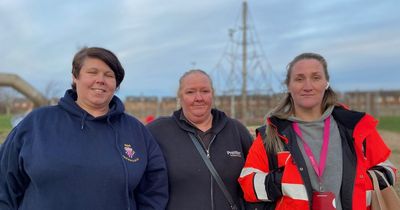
(289, 186)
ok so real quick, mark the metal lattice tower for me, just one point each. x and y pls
(243, 70)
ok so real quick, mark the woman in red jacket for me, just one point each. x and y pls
(314, 153)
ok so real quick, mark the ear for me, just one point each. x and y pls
(327, 86)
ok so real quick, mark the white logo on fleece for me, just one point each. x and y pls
(234, 153)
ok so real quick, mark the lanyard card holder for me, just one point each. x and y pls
(323, 201)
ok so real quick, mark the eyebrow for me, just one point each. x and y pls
(312, 73)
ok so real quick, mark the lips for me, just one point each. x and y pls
(307, 95)
(98, 90)
(202, 106)
(198, 106)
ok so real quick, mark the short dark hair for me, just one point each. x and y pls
(105, 55)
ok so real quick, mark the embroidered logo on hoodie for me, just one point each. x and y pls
(129, 153)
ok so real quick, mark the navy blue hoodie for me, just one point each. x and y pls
(60, 157)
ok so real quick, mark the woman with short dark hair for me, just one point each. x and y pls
(84, 153)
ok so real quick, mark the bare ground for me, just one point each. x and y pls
(392, 139)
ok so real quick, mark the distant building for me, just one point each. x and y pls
(378, 103)
(141, 106)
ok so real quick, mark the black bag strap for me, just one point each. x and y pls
(213, 171)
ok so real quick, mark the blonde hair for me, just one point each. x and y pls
(285, 107)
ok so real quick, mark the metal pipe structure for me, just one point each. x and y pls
(244, 63)
(16, 82)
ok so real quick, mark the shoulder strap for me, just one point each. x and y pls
(213, 171)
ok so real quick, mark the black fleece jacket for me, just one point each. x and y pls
(191, 183)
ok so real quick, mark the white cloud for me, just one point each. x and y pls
(158, 40)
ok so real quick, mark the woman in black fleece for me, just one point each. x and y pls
(224, 140)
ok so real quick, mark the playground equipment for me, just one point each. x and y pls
(16, 82)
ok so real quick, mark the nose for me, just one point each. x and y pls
(308, 84)
(100, 79)
(198, 96)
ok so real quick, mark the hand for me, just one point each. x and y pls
(273, 184)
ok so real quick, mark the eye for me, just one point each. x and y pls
(298, 79)
(91, 72)
(189, 92)
(316, 77)
(110, 75)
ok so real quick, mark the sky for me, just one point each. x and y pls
(157, 41)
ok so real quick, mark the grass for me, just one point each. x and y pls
(389, 123)
(5, 126)
(5, 122)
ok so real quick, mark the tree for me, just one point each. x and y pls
(7, 97)
(52, 90)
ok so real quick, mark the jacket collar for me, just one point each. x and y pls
(341, 114)
(219, 121)
(348, 118)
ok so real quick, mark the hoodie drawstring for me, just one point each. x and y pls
(83, 120)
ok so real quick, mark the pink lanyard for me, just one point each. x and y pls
(319, 169)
